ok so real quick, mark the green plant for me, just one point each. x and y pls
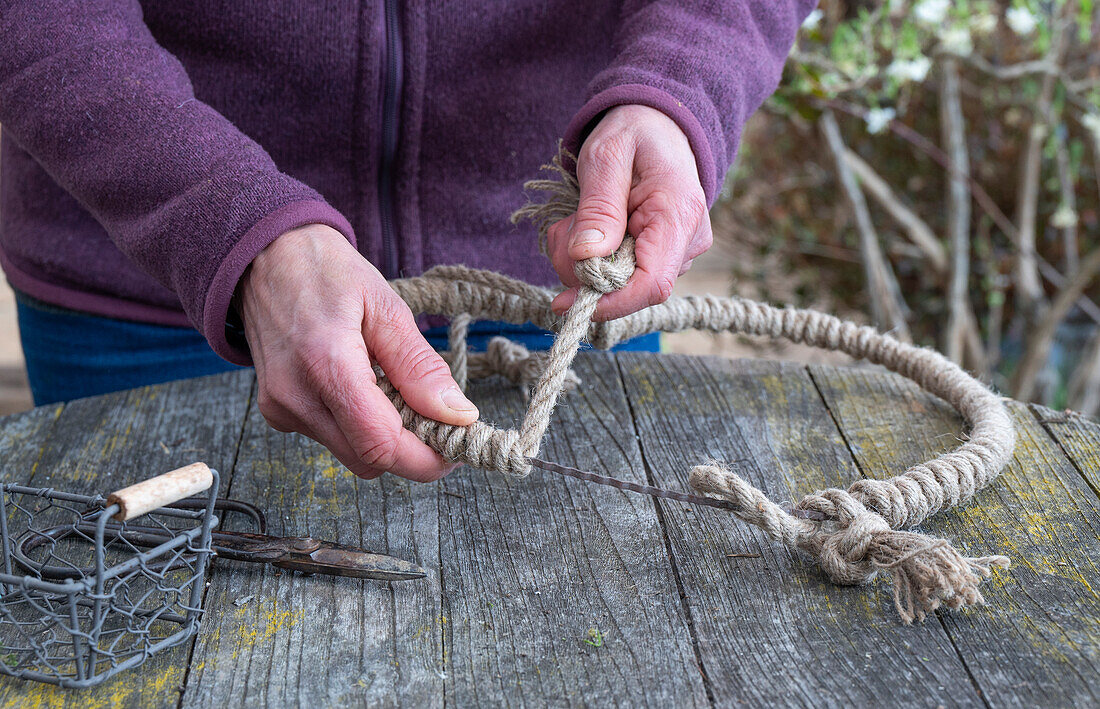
(965, 139)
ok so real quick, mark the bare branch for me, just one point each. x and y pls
(972, 342)
(995, 322)
(1084, 383)
(1009, 72)
(887, 307)
(1029, 288)
(988, 206)
(958, 211)
(1056, 279)
(916, 228)
(1077, 87)
(1069, 198)
(1038, 346)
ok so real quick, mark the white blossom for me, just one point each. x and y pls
(1021, 20)
(931, 12)
(878, 118)
(909, 69)
(1092, 122)
(812, 20)
(956, 40)
(983, 24)
(1064, 217)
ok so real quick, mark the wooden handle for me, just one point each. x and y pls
(162, 490)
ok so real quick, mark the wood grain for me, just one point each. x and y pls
(279, 638)
(773, 629)
(100, 444)
(1079, 438)
(559, 592)
(1037, 642)
(552, 591)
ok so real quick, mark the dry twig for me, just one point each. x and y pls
(1038, 346)
(887, 307)
(959, 319)
(915, 228)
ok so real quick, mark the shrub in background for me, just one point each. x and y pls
(935, 165)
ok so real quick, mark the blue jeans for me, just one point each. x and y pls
(70, 354)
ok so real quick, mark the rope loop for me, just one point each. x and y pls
(864, 535)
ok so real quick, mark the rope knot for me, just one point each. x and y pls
(845, 555)
(609, 274)
(927, 572)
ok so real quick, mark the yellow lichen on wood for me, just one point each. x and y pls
(1043, 612)
(158, 687)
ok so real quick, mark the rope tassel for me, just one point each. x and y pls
(927, 571)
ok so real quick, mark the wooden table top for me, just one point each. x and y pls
(548, 590)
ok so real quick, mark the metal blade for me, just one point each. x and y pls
(337, 560)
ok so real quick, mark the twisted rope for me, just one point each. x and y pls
(865, 535)
(459, 359)
(505, 358)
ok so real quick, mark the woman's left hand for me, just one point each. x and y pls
(637, 174)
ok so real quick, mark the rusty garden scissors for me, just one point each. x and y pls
(305, 554)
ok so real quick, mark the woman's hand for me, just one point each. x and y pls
(317, 315)
(637, 174)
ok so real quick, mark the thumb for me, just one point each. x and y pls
(604, 171)
(414, 368)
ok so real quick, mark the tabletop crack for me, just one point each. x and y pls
(663, 523)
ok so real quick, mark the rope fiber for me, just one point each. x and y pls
(866, 534)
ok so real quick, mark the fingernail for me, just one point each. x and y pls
(588, 236)
(454, 400)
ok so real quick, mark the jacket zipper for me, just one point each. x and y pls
(391, 107)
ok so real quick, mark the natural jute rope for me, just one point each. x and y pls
(864, 533)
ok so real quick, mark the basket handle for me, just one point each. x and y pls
(162, 490)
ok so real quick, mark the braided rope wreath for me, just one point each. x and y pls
(864, 533)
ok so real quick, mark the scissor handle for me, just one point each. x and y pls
(85, 530)
(160, 491)
(225, 504)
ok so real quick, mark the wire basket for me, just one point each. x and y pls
(80, 601)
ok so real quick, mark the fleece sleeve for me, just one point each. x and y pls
(112, 117)
(707, 64)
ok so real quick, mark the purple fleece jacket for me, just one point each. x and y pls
(151, 150)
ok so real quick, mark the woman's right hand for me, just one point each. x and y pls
(317, 315)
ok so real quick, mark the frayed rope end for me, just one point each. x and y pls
(928, 573)
(562, 195)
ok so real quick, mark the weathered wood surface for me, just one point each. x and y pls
(522, 571)
(773, 629)
(538, 571)
(690, 606)
(1037, 643)
(278, 638)
(101, 444)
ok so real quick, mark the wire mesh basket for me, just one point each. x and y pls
(81, 601)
